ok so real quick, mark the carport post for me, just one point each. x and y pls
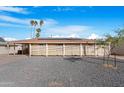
(22, 49)
(80, 49)
(46, 49)
(30, 50)
(14, 48)
(85, 52)
(94, 49)
(8, 48)
(63, 49)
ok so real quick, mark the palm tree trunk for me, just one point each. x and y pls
(31, 31)
(34, 32)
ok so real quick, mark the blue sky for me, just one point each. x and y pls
(66, 21)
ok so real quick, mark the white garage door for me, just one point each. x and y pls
(90, 50)
(72, 49)
(55, 49)
(39, 49)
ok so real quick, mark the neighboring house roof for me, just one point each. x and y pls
(54, 40)
(2, 41)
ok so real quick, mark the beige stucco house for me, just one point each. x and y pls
(59, 47)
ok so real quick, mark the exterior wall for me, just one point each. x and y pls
(3, 50)
(70, 49)
(11, 49)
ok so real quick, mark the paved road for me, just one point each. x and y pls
(37, 71)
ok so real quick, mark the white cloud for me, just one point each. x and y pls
(50, 27)
(56, 36)
(67, 31)
(28, 38)
(94, 36)
(68, 36)
(12, 25)
(9, 39)
(13, 9)
(62, 9)
(73, 36)
(14, 20)
(50, 22)
(18, 22)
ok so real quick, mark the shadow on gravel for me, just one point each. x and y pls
(91, 60)
(73, 59)
(83, 59)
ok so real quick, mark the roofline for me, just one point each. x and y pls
(53, 40)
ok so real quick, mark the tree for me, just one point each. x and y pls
(114, 42)
(35, 23)
(32, 22)
(41, 22)
(36, 30)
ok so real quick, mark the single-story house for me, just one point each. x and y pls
(59, 46)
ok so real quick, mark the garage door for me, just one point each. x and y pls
(55, 49)
(39, 49)
(90, 50)
(72, 50)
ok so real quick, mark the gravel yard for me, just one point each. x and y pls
(56, 71)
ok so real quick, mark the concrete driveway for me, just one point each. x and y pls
(37, 71)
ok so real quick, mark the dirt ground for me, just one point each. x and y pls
(56, 71)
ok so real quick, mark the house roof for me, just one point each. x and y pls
(1, 39)
(53, 40)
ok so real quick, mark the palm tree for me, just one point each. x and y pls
(32, 22)
(41, 22)
(35, 24)
(38, 30)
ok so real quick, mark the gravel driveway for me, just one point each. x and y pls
(37, 71)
